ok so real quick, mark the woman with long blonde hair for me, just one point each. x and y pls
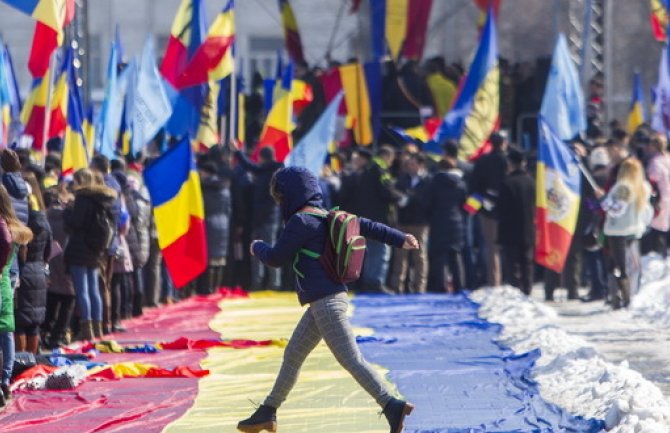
(13, 234)
(628, 213)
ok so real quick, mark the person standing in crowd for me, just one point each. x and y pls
(60, 294)
(139, 210)
(90, 223)
(216, 196)
(122, 263)
(516, 216)
(265, 214)
(446, 195)
(412, 218)
(658, 174)
(13, 235)
(31, 299)
(100, 164)
(628, 212)
(594, 257)
(296, 189)
(487, 176)
(375, 198)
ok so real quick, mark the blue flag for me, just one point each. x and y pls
(110, 117)
(563, 102)
(312, 150)
(151, 106)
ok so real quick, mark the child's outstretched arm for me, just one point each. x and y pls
(387, 235)
(289, 243)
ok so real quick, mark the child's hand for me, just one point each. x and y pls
(251, 247)
(411, 243)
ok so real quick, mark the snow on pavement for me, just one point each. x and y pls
(573, 372)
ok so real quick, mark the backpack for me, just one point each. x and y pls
(101, 230)
(343, 254)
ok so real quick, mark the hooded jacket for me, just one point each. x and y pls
(300, 188)
(18, 193)
(88, 201)
(216, 196)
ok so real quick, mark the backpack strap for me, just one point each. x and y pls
(313, 211)
(304, 251)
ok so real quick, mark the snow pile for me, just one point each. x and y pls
(652, 303)
(570, 372)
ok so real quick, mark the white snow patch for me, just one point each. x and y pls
(571, 373)
(652, 303)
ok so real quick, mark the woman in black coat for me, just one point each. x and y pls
(31, 297)
(446, 195)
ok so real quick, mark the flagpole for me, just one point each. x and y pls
(47, 110)
(233, 105)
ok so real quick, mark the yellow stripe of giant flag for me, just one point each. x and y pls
(358, 104)
(174, 216)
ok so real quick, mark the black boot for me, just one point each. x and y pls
(395, 412)
(265, 418)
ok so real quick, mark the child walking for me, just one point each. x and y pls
(297, 191)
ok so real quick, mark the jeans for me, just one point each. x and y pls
(376, 265)
(595, 261)
(7, 346)
(268, 233)
(85, 282)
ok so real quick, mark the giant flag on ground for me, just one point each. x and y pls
(636, 113)
(660, 120)
(279, 123)
(174, 187)
(475, 114)
(213, 60)
(659, 19)
(75, 152)
(312, 150)
(291, 32)
(187, 34)
(558, 181)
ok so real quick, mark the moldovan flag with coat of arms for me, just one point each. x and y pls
(174, 187)
(557, 199)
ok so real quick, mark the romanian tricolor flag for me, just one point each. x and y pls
(475, 114)
(636, 115)
(213, 60)
(291, 32)
(473, 204)
(303, 95)
(174, 187)
(558, 186)
(47, 38)
(484, 7)
(186, 36)
(208, 132)
(401, 26)
(33, 115)
(659, 19)
(279, 123)
(89, 130)
(75, 152)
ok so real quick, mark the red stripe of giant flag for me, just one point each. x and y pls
(174, 187)
(291, 32)
(45, 41)
(213, 59)
(659, 19)
(557, 200)
(418, 16)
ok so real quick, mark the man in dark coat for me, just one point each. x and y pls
(412, 218)
(375, 198)
(264, 214)
(516, 215)
(487, 177)
(446, 195)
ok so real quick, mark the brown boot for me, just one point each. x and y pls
(86, 330)
(264, 419)
(97, 329)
